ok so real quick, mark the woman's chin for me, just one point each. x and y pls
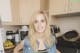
(40, 31)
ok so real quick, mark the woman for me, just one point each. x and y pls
(39, 39)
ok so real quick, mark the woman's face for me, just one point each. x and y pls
(40, 23)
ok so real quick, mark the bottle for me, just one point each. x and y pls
(58, 30)
(55, 29)
(17, 38)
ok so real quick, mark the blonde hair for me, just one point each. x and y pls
(32, 35)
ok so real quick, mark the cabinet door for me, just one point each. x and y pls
(5, 11)
(14, 13)
(27, 7)
(74, 6)
(58, 7)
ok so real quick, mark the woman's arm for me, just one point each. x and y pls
(19, 47)
(58, 51)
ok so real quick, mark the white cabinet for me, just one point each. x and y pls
(5, 11)
(22, 10)
(14, 13)
(74, 6)
(58, 7)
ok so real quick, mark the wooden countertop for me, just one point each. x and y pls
(10, 50)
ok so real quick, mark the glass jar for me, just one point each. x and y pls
(10, 36)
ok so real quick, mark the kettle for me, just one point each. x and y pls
(23, 32)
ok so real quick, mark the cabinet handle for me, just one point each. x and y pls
(64, 7)
(70, 6)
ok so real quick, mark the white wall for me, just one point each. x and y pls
(69, 23)
(11, 28)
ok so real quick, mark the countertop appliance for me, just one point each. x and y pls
(10, 36)
(23, 32)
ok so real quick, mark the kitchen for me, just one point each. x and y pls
(62, 13)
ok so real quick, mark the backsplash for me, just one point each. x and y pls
(11, 28)
(69, 23)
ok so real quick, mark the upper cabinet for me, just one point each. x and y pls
(5, 11)
(58, 7)
(15, 15)
(74, 6)
(28, 7)
(22, 10)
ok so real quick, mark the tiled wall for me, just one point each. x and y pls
(11, 28)
(69, 23)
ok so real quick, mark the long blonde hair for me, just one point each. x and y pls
(32, 35)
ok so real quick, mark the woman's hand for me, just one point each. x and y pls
(19, 47)
(15, 51)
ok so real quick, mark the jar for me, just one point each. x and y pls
(10, 36)
(17, 38)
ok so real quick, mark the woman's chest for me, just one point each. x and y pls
(30, 50)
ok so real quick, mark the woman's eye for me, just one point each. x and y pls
(35, 21)
(42, 20)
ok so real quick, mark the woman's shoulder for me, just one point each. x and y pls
(53, 37)
(26, 41)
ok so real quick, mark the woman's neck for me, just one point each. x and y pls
(40, 35)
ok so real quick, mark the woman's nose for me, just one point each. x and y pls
(39, 23)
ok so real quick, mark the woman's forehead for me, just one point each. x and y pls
(40, 16)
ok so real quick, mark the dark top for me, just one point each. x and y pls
(42, 51)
